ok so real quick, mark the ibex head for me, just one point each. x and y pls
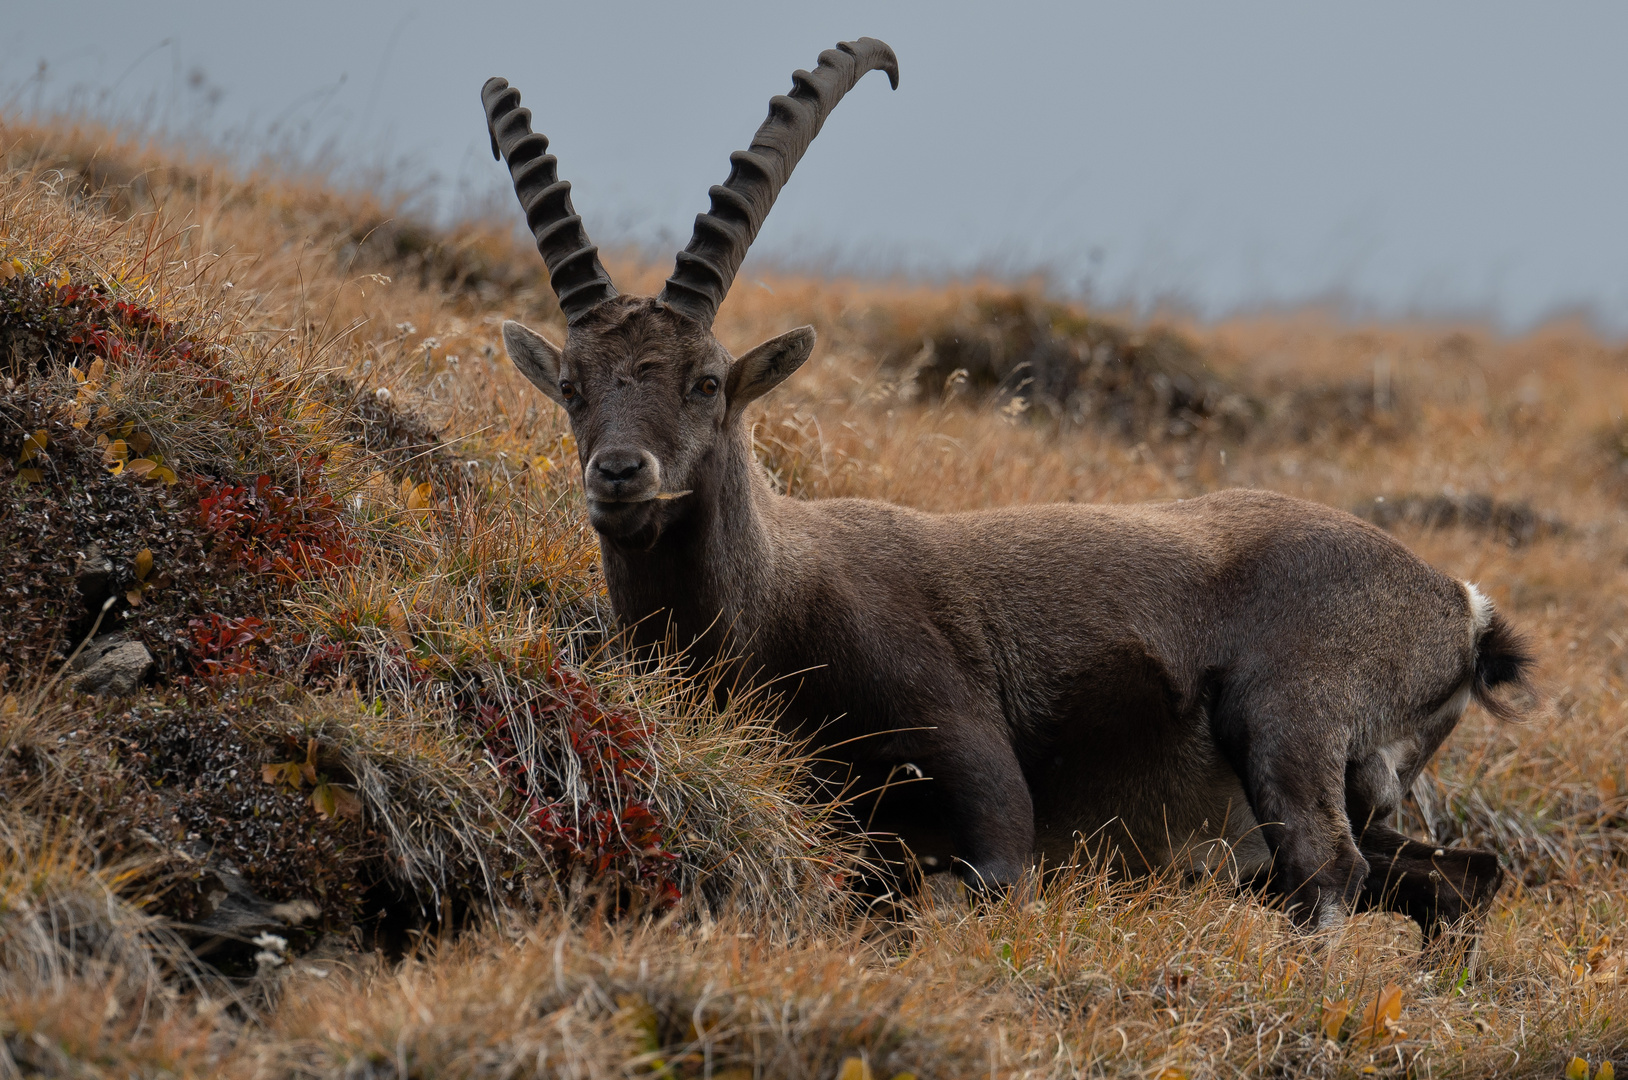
(651, 395)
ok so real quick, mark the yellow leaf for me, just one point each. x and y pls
(396, 616)
(144, 563)
(115, 451)
(116, 468)
(78, 376)
(1381, 1014)
(419, 499)
(7, 271)
(1334, 1014)
(126, 429)
(1576, 1069)
(98, 368)
(854, 1068)
(140, 467)
(63, 281)
(33, 445)
(30, 476)
(282, 772)
(1170, 1072)
(308, 768)
(339, 802)
(164, 473)
(904, 1076)
(1606, 1072)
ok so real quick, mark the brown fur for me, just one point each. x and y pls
(1232, 681)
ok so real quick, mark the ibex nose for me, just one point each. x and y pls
(618, 465)
(622, 475)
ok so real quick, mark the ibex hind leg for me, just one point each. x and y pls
(1441, 888)
(1293, 773)
(1446, 891)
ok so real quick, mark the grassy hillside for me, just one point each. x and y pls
(313, 761)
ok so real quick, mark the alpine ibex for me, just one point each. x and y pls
(1242, 680)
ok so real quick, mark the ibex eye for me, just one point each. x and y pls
(708, 386)
(567, 391)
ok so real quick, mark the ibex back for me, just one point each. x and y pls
(1241, 681)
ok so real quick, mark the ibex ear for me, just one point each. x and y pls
(762, 369)
(536, 357)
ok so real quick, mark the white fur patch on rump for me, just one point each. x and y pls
(1480, 611)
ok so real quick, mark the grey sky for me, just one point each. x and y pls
(1405, 157)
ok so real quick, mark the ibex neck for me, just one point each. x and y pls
(697, 585)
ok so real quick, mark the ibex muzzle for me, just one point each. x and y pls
(1242, 681)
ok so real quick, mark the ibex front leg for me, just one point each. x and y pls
(992, 815)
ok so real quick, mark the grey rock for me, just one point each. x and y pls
(112, 664)
(234, 914)
(238, 914)
(95, 577)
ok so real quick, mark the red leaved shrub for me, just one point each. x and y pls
(223, 648)
(601, 827)
(272, 531)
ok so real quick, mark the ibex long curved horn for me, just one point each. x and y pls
(707, 267)
(579, 280)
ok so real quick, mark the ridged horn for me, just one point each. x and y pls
(574, 270)
(707, 267)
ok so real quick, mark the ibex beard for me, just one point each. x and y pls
(1241, 682)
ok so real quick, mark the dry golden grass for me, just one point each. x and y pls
(1087, 976)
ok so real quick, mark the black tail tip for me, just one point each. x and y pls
(1503, 657)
